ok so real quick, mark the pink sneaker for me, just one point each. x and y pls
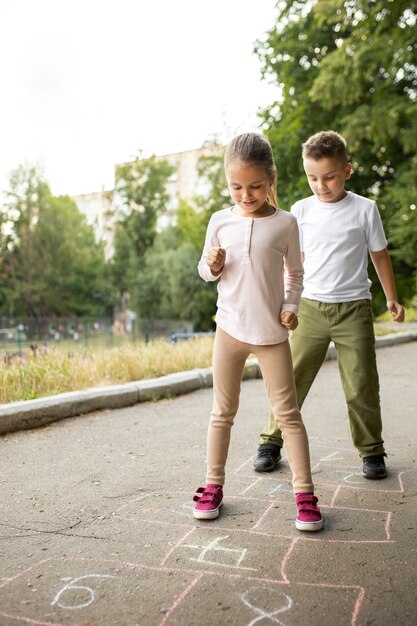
(209, 500)
(308, 516)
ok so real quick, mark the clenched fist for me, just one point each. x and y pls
(289, 320)
(216, 259)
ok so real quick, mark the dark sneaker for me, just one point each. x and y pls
(308, 513)
(268, 457)
(374, 466)
(208, 502)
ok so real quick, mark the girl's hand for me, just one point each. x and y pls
(396, 310)
(216, 259)
(289, 320)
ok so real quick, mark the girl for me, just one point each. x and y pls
(249, 246)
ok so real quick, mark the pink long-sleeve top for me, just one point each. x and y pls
(262, 276)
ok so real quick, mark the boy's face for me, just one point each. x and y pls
(327, 176)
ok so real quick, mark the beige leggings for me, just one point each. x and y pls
(229, 359)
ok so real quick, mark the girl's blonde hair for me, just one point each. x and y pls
(253, 149)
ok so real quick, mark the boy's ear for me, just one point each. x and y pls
(348, 171)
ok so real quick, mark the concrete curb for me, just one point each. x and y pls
(33, 413)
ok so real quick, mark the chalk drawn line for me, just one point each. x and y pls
(197, 577)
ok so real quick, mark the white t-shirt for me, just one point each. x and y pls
(253, 287)
(335, 238)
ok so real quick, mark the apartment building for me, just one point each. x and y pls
(98, 207)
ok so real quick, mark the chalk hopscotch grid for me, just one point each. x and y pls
(199, 575)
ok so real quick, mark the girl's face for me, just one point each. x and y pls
(327, 177)
(249, 186)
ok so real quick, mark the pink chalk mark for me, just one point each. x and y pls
(286, 557)
(126, 504)
(180, 598)
(358, 606)
(258, 533)
(28, 569)
(249, 460)
(358, 603)
(336, 493)
(196, 580)
(187, 534)
(264, 514)
(28, 620)
(400, 480)
(354, 508)
(388, 526)
(255, 482)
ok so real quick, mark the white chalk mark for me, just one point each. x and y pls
(213, 546)
(186, 507)
(348, 478)
(280, 487)
(263, 613)
(71, 586)
(332, 457)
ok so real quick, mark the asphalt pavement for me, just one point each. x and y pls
(96, 526)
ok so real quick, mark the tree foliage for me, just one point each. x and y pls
(350, 65)
(142, 187)
(51, 264)
(141, 195)
(168, 284)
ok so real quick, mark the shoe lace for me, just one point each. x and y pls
(263, 452)
(269, 451)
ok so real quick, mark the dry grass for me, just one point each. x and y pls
(57, 372)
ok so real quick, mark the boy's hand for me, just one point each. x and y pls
(396, 310)
(216, 259)
(289, 320)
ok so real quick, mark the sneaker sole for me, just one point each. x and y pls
(207, 514)
(309, 526)
(374, 476)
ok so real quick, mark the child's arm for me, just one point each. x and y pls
(293, 274)
(213, 257)
(383, 267)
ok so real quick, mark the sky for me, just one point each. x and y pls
(86, 84)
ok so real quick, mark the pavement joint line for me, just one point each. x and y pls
(28, 414)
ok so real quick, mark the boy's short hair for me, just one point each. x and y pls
(326, 143)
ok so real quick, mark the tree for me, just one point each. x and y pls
(27, 195)
(140, 195)
(141, 185)
(350, 65)
(168, 284)
(51, 264)
(123, 264)
(193, 216)
(71, 272)
(192, 225)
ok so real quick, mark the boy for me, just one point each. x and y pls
(337, 230)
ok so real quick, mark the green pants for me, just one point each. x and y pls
(350, 326)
